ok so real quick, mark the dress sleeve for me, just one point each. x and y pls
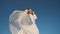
(14, 23)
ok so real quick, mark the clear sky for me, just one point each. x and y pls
(48, 12)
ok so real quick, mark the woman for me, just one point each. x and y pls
(23, 22)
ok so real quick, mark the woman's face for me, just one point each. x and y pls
(32, 14)
(30, 11)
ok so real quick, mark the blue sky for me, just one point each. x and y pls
(48, 12)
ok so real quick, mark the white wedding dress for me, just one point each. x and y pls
(23, 23)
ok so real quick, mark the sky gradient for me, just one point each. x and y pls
(47, 11)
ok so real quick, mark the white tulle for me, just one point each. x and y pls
(23, 23)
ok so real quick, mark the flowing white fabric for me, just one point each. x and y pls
(23, 23)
